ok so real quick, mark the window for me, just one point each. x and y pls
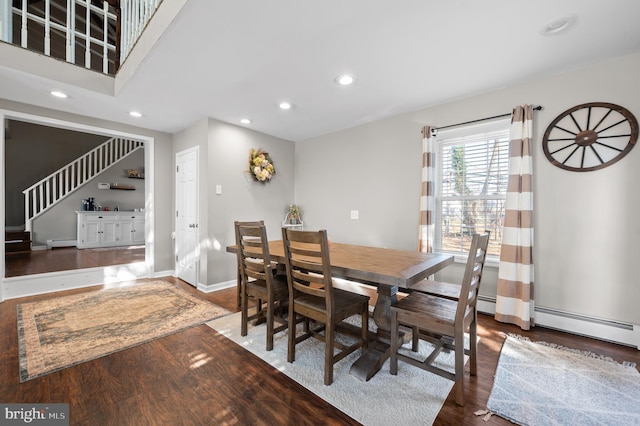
(472, 173)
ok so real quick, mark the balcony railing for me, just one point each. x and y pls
(135, 15)
(95, 34)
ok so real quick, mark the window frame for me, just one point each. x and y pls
(489, 130)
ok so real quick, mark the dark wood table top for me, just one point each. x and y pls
(374, 265)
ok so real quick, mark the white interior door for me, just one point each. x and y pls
(187, 249)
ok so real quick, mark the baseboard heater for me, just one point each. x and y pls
(583, 325)
(60, 243)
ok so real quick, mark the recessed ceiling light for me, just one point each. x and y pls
(559, 25)
(345, 79)
(58, 94)
(135, 114)
(284, 105)
(245, 121)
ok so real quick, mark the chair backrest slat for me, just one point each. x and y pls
(473, 273)
(254, 259)
(308, 264)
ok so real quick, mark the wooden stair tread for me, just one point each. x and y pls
(17, 242)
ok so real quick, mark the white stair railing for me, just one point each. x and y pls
(74, 24)
(49, 191)
(134, 16)
(79, 26)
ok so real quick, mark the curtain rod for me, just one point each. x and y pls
(535, 108)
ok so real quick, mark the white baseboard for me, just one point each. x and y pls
(208, 288)
(61, 243)
(31, 285)
(597, 328)
(167, 273)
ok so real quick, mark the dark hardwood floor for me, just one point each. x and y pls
(198, 377)
(69, 258)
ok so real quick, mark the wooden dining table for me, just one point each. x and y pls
(388, 270)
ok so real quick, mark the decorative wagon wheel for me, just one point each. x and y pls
(590, 136)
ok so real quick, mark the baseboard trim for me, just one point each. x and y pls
(60, 243)
(167, 273)
(208, 288)
(31, 285)
(608, 330)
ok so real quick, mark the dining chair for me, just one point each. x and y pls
(431, 316)
(239, 280)
(259, 281)
(313, 297)
(440, 288)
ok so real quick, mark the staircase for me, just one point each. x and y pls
(17, 243)
(49, 191)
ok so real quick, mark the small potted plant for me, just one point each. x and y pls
(293, 216)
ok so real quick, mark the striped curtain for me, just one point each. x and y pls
(515, 303)
(427, 195)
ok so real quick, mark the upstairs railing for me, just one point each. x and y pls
(134, 16)
(96, 34)
(44, 194)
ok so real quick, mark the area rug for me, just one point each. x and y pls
(65, 331)
(413, 397)
(539, 384)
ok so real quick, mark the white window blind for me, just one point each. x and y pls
(472, 170)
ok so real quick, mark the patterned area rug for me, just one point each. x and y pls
(65, 331)
(413, 397)
(539, 384)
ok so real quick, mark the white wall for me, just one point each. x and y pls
(224, 158)
(586, 224)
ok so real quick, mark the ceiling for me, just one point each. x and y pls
(234, 59)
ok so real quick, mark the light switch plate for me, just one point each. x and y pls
(355, 214)
(218, 189)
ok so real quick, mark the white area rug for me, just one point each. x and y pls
(538, 384)
(413, 397)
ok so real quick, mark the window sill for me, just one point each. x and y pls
(491, 261)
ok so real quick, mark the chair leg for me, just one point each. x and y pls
(239, 289)
(291, 332)
(259, 308)
(393, 358)
(270, 323)
(244, 315)
(328, 353)
(415, 339)
(459, 365)
(473, 347)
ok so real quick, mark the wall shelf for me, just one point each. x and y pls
(122, 187)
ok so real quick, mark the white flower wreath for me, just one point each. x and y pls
(261, 166)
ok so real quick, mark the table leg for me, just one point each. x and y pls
(378, 351)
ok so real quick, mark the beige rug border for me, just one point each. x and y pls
(23, 373)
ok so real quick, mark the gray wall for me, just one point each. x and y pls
(32, 152)
(586, 225)
(60, 222)
(162, 161)
(224, 156)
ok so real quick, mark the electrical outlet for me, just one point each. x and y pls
(355, 214)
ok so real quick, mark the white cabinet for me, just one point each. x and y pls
(131, 228)
(138, 230)
(107, 229)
